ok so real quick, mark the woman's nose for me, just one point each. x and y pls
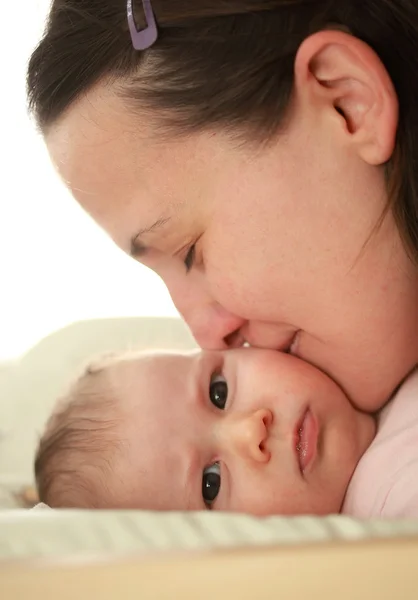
(213, 327)
(247, 435)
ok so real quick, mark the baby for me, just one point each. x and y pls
(254, 431)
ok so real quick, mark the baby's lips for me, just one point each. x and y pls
(306, 437)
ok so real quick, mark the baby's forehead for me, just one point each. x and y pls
(150, 361)
(149, 376)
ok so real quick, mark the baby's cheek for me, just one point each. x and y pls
(267, 495)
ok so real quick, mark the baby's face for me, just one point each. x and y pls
(254, 431)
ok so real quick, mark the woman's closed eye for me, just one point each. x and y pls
(211, 484)
(190, 258)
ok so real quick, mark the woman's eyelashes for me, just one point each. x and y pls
(218, 391)
(211, 484)
(190, 258)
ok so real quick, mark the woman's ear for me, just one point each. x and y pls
(338, 73)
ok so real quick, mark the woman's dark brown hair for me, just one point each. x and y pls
(226, 64)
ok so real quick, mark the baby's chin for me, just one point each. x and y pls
(367, 427)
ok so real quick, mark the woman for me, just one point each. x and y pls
(261, 157)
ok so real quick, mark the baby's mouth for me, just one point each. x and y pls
(306, 441)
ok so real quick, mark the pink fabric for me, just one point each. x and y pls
(385, 483)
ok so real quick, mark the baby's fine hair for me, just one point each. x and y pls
(76, 455)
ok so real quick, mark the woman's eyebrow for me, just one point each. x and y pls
(138, 248)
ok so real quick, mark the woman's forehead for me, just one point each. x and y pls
(120, 175)
(103, 170)
(101, 130)
(92, 135)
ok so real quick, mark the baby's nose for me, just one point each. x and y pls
(247, 435)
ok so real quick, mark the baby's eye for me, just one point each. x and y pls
(218, 391)
(211, 483)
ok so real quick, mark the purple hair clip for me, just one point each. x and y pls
(143, 38)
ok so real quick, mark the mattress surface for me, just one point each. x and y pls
(47, 533)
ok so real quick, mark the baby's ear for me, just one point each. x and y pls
(101, 363)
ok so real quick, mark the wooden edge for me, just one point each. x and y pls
(378, 569)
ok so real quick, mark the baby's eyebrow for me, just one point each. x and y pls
(138, 248)
(194, 461)
(192, 493)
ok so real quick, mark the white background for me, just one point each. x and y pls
(56, 265)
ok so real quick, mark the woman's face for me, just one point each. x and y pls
(270, 246)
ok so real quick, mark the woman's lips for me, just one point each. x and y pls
(291, 344)
(294, 345)
(288, 345)
(306, 441)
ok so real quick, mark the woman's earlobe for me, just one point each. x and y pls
(339, 73)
